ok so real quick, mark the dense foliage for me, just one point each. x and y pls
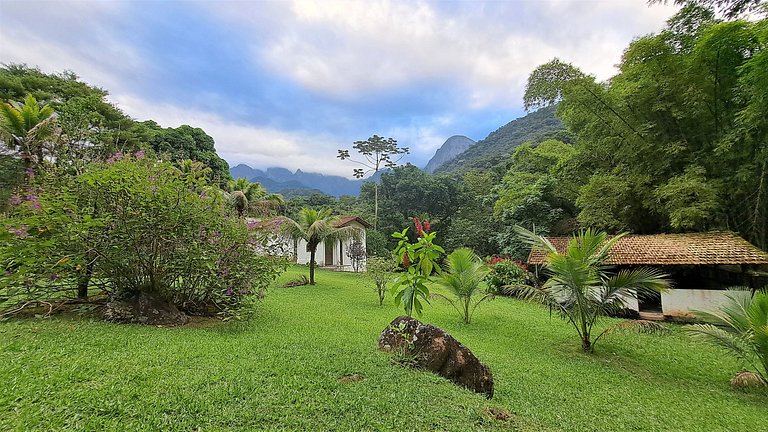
(677, 140)
(132, 225)
(90, 128)
(505, 275)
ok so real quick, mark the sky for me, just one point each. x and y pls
(287, 83)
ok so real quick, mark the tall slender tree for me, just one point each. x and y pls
(378, 153)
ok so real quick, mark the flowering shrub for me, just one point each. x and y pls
(133, 225)
(506, 273)
(418, 259)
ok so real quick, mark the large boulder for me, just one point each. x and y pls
(435, 350)
(144, 308)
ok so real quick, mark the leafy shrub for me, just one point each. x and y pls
(380, 271)
(134, 225)
(419, 261)
(505, 274)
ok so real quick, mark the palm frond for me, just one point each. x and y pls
(638, 326)
(732, 343)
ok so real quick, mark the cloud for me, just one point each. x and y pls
(286, 84)
(343, 48)
(259, 147)
(75, 36)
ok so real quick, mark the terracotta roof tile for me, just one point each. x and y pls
(673, 249)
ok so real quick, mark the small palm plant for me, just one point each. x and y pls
(463, 273)
(315, 227)
(583, 289)
(740, 327)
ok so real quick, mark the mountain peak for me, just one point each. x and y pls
(451, 148)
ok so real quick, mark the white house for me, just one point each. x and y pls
(333, 254)
(702, 267)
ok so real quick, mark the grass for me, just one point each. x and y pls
(308, 361)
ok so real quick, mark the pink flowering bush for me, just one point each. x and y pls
(132, 225)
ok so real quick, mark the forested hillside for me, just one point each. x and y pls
(499, 145)
(90, 127)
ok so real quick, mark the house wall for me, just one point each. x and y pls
(682, 302)
(339, 254)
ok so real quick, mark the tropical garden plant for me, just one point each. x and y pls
(26, 129)
(133, 226)
(582, 287)
(419, 260)
(463, 274)
(740, 327)
(315, 227)
(380, 272)
(246, 195)
(505, 275)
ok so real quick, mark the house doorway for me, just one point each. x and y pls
(328, 253)
(650, 303)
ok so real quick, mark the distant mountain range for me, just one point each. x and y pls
(451, 148)
(298, 183)
(458, 154)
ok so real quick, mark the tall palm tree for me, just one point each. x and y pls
(582, 288)
(26, 128)
(462, 274)
(741, 328)
(314, 227)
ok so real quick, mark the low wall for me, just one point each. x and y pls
(681, 302)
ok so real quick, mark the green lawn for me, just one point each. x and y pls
(280, 371)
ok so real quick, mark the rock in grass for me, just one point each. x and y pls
(433, 349)
(144, 308)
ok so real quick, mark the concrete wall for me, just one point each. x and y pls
(681, 302)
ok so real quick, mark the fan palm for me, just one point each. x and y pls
(26, 128)
(741, 328)
(581, 287)
(462, 275)
(315, 227)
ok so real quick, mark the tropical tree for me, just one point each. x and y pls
(315, 227)
(246, 194)
(583, 289)
(27, 128)
(740, 327)
(464, 271)
(378, 153)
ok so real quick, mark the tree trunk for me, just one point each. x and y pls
(586, 344)
(84, 280)
(375, 205)
(312, 265)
